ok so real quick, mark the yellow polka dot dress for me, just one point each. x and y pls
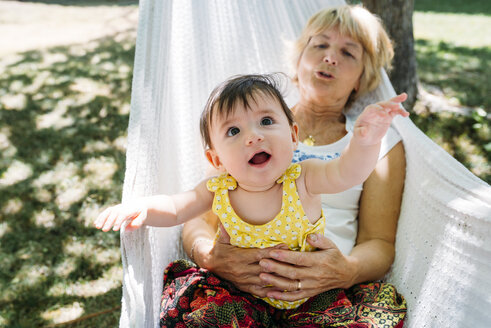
(290, 226)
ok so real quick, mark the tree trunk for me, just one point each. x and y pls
(397, 17)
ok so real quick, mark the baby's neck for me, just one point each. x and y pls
(257, 189)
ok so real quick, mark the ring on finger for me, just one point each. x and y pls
(299, 285)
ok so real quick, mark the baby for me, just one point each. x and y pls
(261, 199)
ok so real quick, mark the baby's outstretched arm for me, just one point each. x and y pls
(361, 155)
(373, 123)
(157, 211)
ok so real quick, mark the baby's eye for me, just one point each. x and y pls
(320, 46)
(266, 121)
(233, 131)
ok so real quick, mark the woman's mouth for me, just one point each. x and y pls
(325, 75)
(259, 158)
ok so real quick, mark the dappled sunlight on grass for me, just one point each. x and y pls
(44, 218)
(64, 314)
(55, 119)
(12, 206)
(459, 72)
(462, 138)
(99, 171)
(16, 172)
(111, 279)
(4, 228)
(30, 275)
(70, 191)
(63, 119)
(460, 75)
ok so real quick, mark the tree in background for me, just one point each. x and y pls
(397, 16)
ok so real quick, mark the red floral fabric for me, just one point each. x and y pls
(195, 297)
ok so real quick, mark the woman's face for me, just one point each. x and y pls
(329, 68)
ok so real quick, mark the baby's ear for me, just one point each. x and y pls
(213, 158)
(294, 129)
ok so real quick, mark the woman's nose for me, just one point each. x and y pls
(330, 59)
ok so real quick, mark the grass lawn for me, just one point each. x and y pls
(64, 111)
(453, 50)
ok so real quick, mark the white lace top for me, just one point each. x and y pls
(341, 210)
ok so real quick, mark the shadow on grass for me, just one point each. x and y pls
(474, 7)
(462, 74)
(63, 122)
(467, 138)
(85, 3)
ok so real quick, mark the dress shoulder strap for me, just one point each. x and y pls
(291, 173)
(223, 181)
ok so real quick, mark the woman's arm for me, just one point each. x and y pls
(380, 205)
(373, 254)
(198, 236)
(238, 265)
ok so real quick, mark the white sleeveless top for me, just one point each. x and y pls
(341, 209)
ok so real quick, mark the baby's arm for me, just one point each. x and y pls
(361, 155)
(157, 211)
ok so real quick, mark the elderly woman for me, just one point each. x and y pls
(337, 59)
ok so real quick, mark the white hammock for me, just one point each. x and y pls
(184, 48)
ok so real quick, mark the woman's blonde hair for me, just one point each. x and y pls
(362, 26)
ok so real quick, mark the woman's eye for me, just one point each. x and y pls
(320, 46)
(266, 121)
(233, 131)
(347, 53)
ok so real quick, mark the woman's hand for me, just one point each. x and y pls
(314, 272)
(238, 265)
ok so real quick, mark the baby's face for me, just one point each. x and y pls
(254, 145)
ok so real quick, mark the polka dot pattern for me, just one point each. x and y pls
(290, 226)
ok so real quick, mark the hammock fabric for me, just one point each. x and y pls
(184, 48)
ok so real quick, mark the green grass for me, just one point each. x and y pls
(474, 7)
(453, 51)
(456, 29)
(63, 120)
(460, 72)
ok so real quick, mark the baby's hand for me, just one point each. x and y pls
(115, 216)
(374, 121)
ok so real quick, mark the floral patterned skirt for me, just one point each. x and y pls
(195, 297)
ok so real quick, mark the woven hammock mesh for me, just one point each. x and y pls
(184, 48)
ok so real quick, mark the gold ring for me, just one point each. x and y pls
(299, 285)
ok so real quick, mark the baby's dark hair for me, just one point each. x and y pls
(240, 88)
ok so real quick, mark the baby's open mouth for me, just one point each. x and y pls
(259, 158)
